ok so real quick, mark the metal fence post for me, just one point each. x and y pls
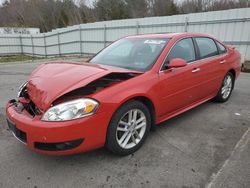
(21, 44)
(58, 40)
(104, 35)
(137, 28)
(32, 43)
(186, 24)
(45, 45)
(80, 35)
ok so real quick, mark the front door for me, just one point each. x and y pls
(178, 87)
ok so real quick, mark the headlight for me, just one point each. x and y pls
(71, 110)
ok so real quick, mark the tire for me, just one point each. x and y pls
(225, 89)
(124, 136)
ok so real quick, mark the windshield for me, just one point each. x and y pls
(132, 53)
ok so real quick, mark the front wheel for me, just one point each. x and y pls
(226, 88)
(128, 128)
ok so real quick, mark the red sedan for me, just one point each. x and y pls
(121, 93)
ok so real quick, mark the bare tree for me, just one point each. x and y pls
(162, 7)
(111, 9)
(189, 6)
(51, 14)
(137, 8)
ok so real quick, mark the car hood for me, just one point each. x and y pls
(52, 80)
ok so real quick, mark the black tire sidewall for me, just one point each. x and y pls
(219, 97)
(111, 142)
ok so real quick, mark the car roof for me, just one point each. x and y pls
(169, 35)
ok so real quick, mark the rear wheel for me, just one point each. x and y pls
(226, 88)
(128, 128)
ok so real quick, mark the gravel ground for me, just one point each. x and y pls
(207, 146)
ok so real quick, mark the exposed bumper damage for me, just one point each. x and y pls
(57, 138)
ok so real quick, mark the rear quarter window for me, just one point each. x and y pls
(206, 46)
(222, 49)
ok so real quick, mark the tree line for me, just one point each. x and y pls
(51, 14)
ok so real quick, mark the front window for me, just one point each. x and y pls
(183, 49)
(132, 53)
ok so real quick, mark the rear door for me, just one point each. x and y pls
(211, 61)
(224, 58)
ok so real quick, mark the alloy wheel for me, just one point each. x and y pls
(131, 128)
(227, 87)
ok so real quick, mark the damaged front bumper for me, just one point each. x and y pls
(57, 138)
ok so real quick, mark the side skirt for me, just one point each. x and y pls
(182, 110)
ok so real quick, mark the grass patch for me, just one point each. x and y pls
(15, 58)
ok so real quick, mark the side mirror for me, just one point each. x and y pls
(177, 62)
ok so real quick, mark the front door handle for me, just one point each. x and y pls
(223, 62)
(196, 70)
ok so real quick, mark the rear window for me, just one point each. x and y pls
(207, 47)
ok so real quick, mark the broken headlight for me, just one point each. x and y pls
(71, 110)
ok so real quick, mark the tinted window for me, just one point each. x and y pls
(221, 48)
(183, 49)
(207, 47)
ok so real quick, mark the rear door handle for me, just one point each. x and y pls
(223, 62)
(196, 70)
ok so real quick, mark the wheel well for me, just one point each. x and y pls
(147, 102)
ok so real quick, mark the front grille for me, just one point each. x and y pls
(17, 132)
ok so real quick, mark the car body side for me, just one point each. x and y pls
(148, 86)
